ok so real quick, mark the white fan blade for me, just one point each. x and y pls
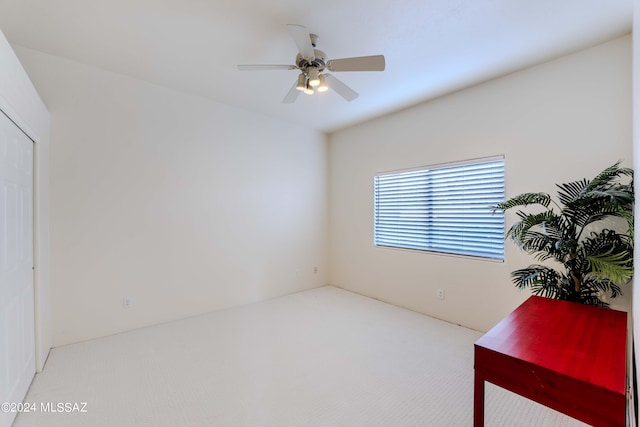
(266, 67)
(292, 95)
(360, 63)
(302, 39)
(341, 89)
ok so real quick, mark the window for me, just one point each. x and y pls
(446, 208)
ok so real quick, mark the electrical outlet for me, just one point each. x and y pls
(126, 302)
(440, 293)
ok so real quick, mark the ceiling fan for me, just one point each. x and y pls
(313, 66)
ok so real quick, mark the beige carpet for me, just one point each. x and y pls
(325, 357)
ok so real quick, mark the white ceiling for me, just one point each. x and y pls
(431, 46)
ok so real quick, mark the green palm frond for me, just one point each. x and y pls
(601, 286)
(596, 264)
(525, 199)
(604, 196)
(542, 280)
(572, 191)
(628, 216)
(544, 235)
(611, 173)
(615, 195)
(583, 212)
(614, 267)
(519, 231)
(606, 242)
(590, 297)
(538, 242)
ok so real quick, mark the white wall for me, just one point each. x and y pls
(20, 101)
(179, 203)
(557, 122)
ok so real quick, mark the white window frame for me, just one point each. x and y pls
(445, 208)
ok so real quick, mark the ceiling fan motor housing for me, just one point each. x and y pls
(318, 62)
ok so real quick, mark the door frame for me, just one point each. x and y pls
(42, 310)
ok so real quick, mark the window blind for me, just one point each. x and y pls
(443, 209)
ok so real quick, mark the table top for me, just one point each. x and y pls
(583, 342)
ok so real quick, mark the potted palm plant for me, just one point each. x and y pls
(589, 232)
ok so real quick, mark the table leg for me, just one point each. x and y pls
(478, 400)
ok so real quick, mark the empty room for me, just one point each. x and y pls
(279, 213)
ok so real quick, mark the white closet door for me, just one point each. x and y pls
(17, 343)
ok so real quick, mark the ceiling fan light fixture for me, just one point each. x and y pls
(314, 79)
(308, 90)
(302, 82)
(322, 87)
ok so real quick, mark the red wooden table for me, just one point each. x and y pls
(568, 356)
